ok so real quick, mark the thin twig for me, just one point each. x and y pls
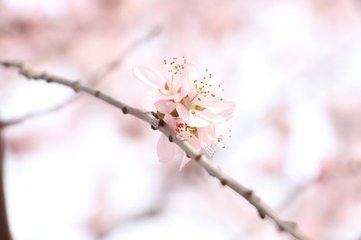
(4, 225)
(94, 79)
(157, 124)
(114, 64)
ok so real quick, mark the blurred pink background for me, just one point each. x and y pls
(86, 171)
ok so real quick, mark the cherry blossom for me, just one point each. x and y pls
(190, 103)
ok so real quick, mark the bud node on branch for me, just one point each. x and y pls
(155, 115)
(248, 194)
(124, 110)
(262, 214)
(75, 85)
(223, 182)
(161, 123)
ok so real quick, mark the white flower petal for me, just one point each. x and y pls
(217, 111)
(189, 118)
(147, 76)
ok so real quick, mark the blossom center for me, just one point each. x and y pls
(188, 104)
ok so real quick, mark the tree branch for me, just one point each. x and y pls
(157, 124)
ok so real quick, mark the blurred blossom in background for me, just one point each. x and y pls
(86, 171)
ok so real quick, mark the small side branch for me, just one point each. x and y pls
(157, 124)
(114, 64)
(94, 80)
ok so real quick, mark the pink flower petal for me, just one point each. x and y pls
(207, 136)
(168, 151)
(185, 160)
(195, 142)
(164, 106)
(184, 85)
(170, 121)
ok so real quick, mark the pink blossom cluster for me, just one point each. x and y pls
(190, 103)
